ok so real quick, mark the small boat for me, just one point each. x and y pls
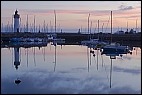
(50, 38)
(58, 39)
(38, 40)
(90, 42)
(23, 40)
(115, 48)
(29, 40)
(15, 39)
(32, 39)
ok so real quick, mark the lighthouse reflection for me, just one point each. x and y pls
(72, 68)
(16, 57)
(17, 54)
(17, 62)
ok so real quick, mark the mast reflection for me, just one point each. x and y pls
(55, 47)
(88, 57)
(56, 42)
(113, 56)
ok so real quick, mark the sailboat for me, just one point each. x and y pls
(99, 43)
(54, 35)
(93, 42)
(115, 47)
(89, 41)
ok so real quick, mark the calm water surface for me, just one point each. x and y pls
(69, 69)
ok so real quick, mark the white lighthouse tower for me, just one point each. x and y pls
(16, 55)
(16, 21)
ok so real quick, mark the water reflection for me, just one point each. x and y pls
(32, 45)
(16, 56)
(55, 44)
(76, 69)
(34, 57)
(17, 53)
(112, 56)
(90, 53)
(88, 57)
(16, 62)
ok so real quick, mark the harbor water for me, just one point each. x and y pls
(64, 69)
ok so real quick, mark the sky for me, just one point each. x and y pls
(74, 14)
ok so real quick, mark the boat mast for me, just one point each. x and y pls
(27, 24)
(34, 23)
(98, 29)
(55, 20)
(59, 28)
(111, 26)
(50, 27)
(39, 28)
(102, 32)
(12, 24)
(88, 25)
(2, 27)
(127, 26)
(47, 28)
(136, 25)
(8, 27)
(90, 29)
(44, 26)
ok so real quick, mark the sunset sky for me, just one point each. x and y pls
(74, 14)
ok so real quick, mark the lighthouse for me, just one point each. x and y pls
(16, 21)
(16, 55)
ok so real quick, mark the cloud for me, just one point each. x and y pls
(42, 81)
(124, 90)
(123, 7)
(132, 71)
(133, 16)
